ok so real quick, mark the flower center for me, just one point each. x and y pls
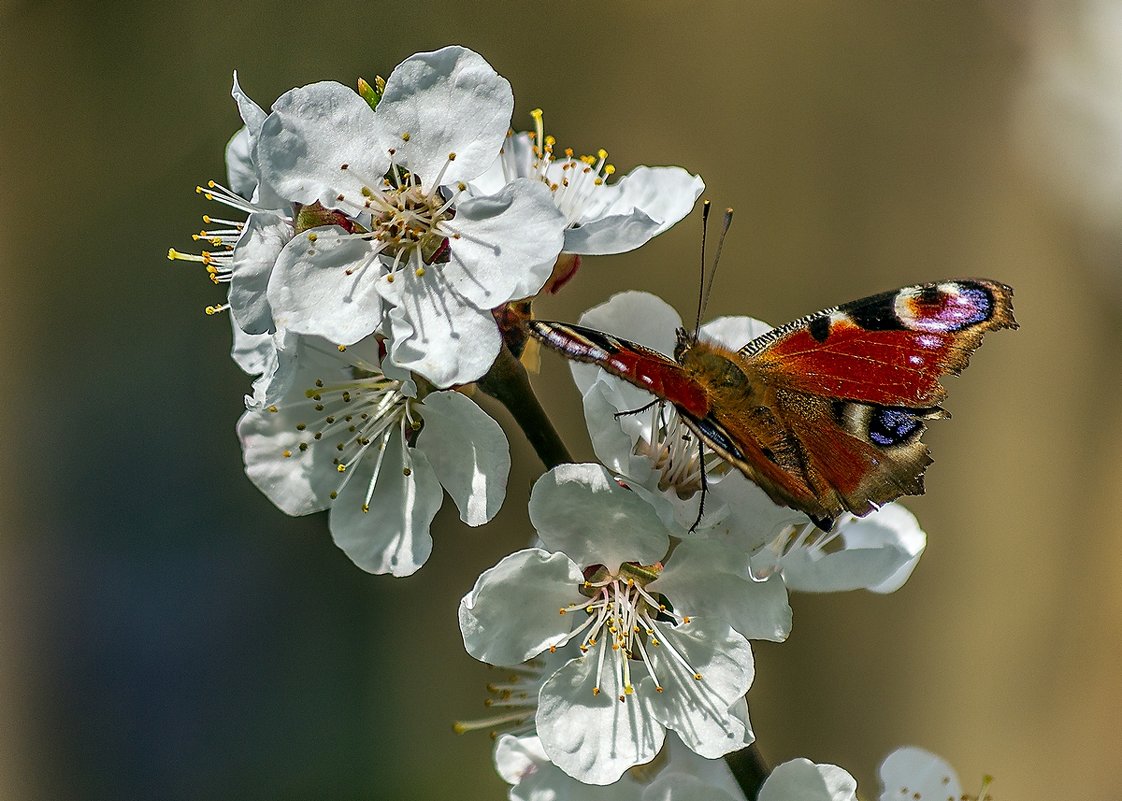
(624, 621)
(408, 224)
(573, 180)
(358, 416)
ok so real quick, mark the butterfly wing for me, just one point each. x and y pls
(832, 407)
(639, 365)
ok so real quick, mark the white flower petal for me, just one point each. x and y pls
(254, 257)
(803, 780)
(522, 762)
(612, 445)
(469, 452)
(709, 579)
(447, 101)
(438, 336)
(299, 483)
(508, 244)
(393, 536)
(252, 114)
(241, 173)
(513, 612)
(311, 292)
(626, 214)
(733, 332)
(879, 554)
(253, 353)
(594, 737)
(686, 787)
(580, 510)
(699, 710)
(909, 773)
(313, 131)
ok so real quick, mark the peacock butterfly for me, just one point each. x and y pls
(826, 412)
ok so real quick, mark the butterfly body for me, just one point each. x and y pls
(824, 413)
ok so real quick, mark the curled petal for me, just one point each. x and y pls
(806, 781)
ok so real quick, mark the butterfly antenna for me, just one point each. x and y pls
(701, 284)
(725, 225)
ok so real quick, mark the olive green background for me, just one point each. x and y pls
(166, 633)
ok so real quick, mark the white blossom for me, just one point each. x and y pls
(345, 429)
(601, 217)
(647, 663)
(442, 258)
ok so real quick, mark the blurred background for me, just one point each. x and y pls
(166, 633)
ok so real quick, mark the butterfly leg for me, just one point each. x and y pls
(641, 409)
(704, 486)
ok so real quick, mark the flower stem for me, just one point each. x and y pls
(749, 770)
(508, 383)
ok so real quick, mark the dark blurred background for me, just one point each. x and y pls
(166, 633)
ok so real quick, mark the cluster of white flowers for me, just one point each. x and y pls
(388, 231)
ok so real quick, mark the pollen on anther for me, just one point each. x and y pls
(342, 348)
(341, 468)
(273, 409)
(287, 454)
(697, 676)
(313, 237)
(658, 689)
(595, 690)
(365, 508)
(405, 137)
(405, 471)
(451, 156)
(553, 649)
(561, 611)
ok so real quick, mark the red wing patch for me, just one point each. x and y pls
(888, 349)
(645, 368)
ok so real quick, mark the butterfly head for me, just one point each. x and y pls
(685, 341)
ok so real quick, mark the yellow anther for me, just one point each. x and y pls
(206, 219)
(333, 495)
(342, 348)
(595, 690)
(553, 649)
(609, 169)
(173, 254)
(658, 689)
(211, 184)
(273, 408)
(212, 310)
(569, 152)
(341, 468)
(405, 137)
(697, 676)
(560, 611)
(628, 690)
(420, 271)
(602, 153)
(598, 182)
(365, 508)
(550, 141)
(367, 191)
(686, 619)
(536, 113)
(313, 237)
(461, 186)
(389, 278)
(451, 156)
(405, 471)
